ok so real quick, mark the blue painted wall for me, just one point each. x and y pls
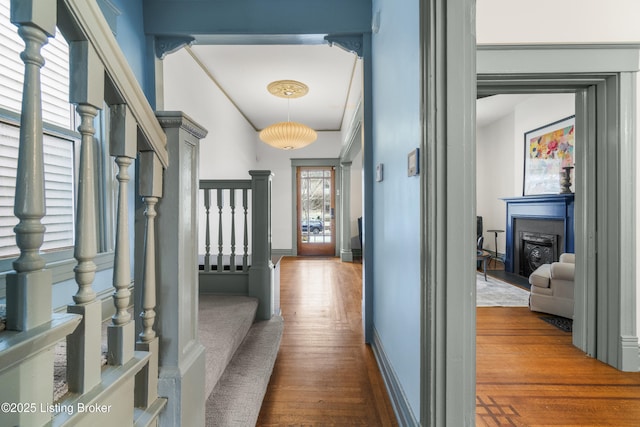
(129, 32)
(396, 200)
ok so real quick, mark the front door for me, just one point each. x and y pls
(316, 212)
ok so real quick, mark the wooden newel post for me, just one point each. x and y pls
(182, 357)
(260, 272)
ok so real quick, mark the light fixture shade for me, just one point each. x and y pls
(288, 135)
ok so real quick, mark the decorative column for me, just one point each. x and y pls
(260, 281)
(345, 193)
(84, 345)
(182, 357)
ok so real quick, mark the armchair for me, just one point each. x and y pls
(552, 287)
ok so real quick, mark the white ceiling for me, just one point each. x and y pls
(244, 71)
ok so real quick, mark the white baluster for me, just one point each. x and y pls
(84, 345)
(207, 247)
(149, 295)
(122, 266)
(246, 230)
(220, 205)
(232, 202)
(29, 289)
(123, 146)
(29, 204)
(151, 191)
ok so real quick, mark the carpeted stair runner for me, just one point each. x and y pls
(223, 322)
(237, 398)
(240, 356)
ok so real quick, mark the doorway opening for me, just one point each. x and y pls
(504, 149)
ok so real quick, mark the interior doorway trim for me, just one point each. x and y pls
(604, 80)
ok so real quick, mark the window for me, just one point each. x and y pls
(59, 188)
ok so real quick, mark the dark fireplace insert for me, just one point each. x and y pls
(536, 249)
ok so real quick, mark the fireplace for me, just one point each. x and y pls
(547, 225)
(536, 249)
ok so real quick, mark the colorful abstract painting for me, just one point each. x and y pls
(548, 150)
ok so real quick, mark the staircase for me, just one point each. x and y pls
(240, 355)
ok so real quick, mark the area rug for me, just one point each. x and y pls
(561, 323)
(496, 293)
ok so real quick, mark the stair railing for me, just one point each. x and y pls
(252, 197)
(100, 75)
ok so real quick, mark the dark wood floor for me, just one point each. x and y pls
(528, 372)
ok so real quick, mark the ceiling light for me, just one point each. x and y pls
(288, 135)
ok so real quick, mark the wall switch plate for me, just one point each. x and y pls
(413, 163)
(379, 172)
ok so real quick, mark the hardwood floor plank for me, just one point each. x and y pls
(528, 373)
(324, 374)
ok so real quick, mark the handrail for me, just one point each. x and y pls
(87, 16)
(224, 184)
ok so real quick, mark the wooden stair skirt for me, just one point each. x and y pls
(240, 356)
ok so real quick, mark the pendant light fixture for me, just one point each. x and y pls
(288, 135)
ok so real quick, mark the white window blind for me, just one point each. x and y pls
(55, 74)
(59, 190)
(58, 151)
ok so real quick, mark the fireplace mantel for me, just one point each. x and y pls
(544, 207)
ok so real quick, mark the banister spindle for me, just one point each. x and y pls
(246, 230)
(151, 190)
(29, 205)
(86, 239)
(122, 266)
(84, 345)
(29, 288)
(207, 237)
(149, 296)
(122, 146)
(232, 203)
(220, 204)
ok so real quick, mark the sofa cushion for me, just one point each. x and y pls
(562, 271)
(568, 257)
(541, 276)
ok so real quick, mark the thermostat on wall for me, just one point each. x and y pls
(413, 163)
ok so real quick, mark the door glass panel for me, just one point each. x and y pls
(316, 215)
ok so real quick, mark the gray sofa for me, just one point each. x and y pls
(552, 287)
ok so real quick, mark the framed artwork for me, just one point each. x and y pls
(548, 154)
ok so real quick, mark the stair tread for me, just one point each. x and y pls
(237, 397)
(223, 323)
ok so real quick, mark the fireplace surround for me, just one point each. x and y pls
(546, 222)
